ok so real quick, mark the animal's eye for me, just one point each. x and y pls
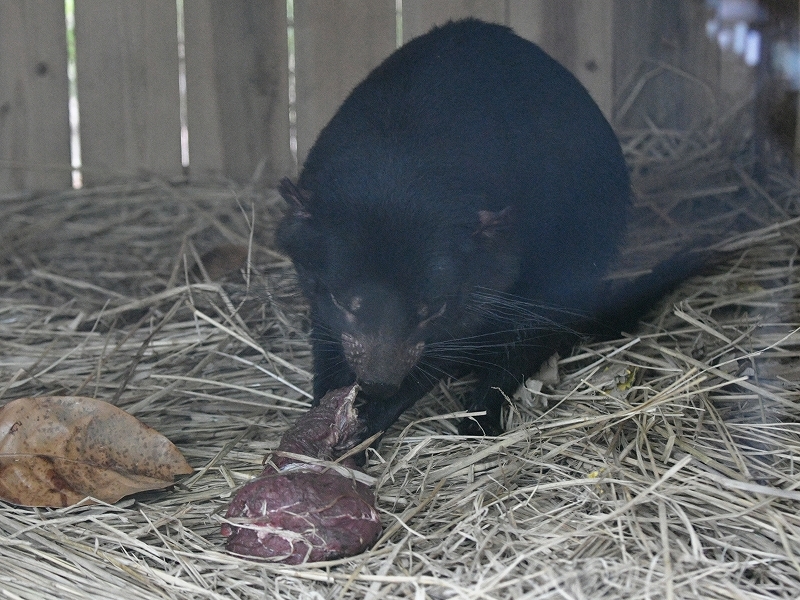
(348, 308)
(355, 303)
(338, 304)
(424, 313)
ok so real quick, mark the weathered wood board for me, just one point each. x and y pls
(336, 45)
(127, 56)
(34, 118)
(237, 96)
(646, 62)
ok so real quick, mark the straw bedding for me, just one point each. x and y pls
(664, 465)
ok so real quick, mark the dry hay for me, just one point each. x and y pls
(659, 466)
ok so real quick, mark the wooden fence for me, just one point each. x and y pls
(238, 76)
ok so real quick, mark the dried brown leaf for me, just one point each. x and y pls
(56, 451)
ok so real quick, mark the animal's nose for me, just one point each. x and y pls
(377, 389)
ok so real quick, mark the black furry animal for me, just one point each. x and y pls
(458, 213)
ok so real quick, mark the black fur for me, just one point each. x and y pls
(458, 213)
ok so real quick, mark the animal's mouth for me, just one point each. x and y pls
(378, 390)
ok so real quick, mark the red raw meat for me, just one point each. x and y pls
(305, 512)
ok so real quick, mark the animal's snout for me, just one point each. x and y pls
(380, 362)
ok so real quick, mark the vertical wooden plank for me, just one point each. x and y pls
(529, 18)
(336, 43)
(127, 60)
(737, 105)
(237, 89)
(796, 149)
(34, 92)
(419, 16)
(632, 54)
(204, 118)
(577, 33)
(666, 68)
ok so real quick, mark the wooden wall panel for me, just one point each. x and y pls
(577, 33)
(666, 70)
(649, 60)
(34, 121)
(206, 153)
(797, 112)
(419, 16)
(128, 88)
(237, 89)
(337, 43)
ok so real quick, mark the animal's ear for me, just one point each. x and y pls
(297, 233)
(494, 225)
(296, 197)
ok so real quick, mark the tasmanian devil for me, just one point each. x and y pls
(458, 213)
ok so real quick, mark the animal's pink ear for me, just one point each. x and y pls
(296, 197)
(491, 224)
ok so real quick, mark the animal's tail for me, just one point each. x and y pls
(625, 304)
